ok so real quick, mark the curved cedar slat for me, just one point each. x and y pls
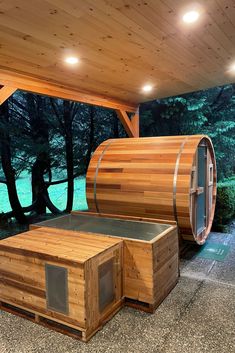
(151, 177)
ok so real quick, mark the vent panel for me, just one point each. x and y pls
(106, 284)
(57, 288)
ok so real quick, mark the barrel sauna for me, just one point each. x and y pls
(167, 177)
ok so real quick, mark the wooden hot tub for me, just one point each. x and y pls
(150, 252)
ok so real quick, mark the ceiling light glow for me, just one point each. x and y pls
(232, 68)
(147, 88)
(191, 16)
(72, 60)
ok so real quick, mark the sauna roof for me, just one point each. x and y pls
(121, 45)
(55, 244)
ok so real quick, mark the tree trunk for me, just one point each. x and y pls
(41, 166)
(69, 154)
(39, 186)
(115, 125)
(91, 136)
(7, 166)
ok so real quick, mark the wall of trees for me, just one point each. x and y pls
(210, 112)
(53, 140)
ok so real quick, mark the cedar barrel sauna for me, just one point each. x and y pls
(167, 177)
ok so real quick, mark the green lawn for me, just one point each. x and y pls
(58, 194)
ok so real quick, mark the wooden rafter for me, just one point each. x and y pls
(6, 92)
(131, 125)
(135, 123)
(27, 83)
(10, 81)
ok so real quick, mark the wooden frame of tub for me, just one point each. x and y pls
(150, 268)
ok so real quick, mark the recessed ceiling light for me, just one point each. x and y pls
(72, 60)
(232, 68)
(147, 88)
(191, 16)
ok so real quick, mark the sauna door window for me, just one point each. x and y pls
(202, 189)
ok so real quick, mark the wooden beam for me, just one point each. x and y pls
(131, 126)
(6, 92)
(53, 89)
(136, 123)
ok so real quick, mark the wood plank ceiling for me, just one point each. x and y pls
(122, 45)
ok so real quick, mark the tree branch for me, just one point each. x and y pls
(12, 214)
(50, 205)
(61, 181)
(57, 114)
(19, 105)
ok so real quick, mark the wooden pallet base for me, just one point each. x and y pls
(136, 304)
(75, 332)
(55, 325)
(41, 320)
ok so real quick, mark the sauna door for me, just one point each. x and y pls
(201, 189)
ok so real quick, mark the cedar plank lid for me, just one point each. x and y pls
(58, 245)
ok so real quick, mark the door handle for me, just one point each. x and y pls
(199, 190)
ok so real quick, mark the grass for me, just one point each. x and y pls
(58, 194)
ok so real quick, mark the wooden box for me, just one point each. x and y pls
(150, 252)
(70, 282)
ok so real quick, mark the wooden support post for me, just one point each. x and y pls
(131, 126)
(136, 123)
(6, 92)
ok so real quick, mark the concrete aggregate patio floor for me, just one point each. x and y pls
(198, 316)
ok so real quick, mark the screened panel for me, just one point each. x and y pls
(57, 288)
(106, 284)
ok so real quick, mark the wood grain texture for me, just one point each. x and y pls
(122, 45)
(131, 126)
(150, 268)
(57, 244)
(57, 90)
(23, 282)
(150, 177)
(6, 92)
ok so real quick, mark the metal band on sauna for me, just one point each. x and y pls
(96, 174)
(175, 178)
